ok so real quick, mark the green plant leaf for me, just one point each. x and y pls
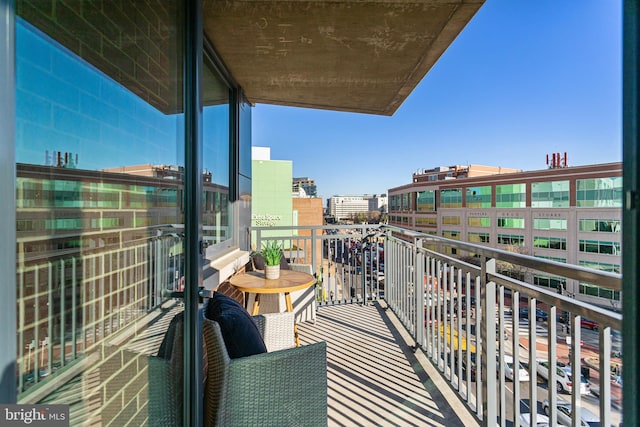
(272, 252)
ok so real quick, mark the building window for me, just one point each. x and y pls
(405, 202)
(451, 220)
(597, 291)
(598, 247)
(426, 221)
(602, 266)
(549, 281)
(426, 201)
(479, 221)
(451, 234)
(451, 198)
(600, 225)
(393, 203)
(557, 243)
(510, 239)
(474, 237)
(511, 196)
(550, 194)
(599, 192)
(478, 197)
(549, 224)
(551, 258)
(510, 222)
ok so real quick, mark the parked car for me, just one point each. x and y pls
(541, 420)
(541, 315)
(523, 374)
(587, 418)
(564, 377)
(589, 324)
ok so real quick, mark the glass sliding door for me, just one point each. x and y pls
(99, 207)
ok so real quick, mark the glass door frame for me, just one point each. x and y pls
(8, 391)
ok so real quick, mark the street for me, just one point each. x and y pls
(588, 356)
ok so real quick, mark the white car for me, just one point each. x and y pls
(541, 420)
(587, 418)
(523, 374)
(564, 377)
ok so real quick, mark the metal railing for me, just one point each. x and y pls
(347, 260)
(461, 313)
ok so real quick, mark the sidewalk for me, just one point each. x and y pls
(589, 357)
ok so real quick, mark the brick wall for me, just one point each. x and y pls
(310, 212)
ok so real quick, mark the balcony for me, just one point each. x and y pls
(403, 319)
(391, 361)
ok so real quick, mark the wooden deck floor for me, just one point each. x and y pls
(374, 376)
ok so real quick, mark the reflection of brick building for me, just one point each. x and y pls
(63, 211)
(96, 250)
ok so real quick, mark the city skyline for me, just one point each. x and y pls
(521, 81)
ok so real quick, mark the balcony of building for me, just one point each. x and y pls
(402, 317)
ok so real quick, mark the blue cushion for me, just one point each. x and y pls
(241, 335)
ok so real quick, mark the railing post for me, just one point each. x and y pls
(363, 267)
(605, 373)
(389, 266)
(488, 337)
(419, 286)
(258, 240)
(313, 250)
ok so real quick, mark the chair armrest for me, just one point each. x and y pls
(304, 268)
(283, 388)
(276, 330)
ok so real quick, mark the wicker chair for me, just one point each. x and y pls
(285, 387)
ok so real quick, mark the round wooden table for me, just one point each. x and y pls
(289, 281)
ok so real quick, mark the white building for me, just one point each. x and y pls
(343, 207)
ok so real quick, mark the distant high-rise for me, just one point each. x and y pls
(308, 185)
(344, 207)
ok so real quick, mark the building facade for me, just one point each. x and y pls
(271, 193)
(565, 214)
(308, 187)
(345, 207)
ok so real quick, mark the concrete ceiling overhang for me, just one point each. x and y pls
(346, 55)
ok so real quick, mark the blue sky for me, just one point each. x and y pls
(523, 79)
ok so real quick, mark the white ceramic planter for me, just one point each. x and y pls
(271, 271)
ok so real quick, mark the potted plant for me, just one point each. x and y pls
(272, 253)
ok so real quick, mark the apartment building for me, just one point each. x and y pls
(305, 186)
(565, 214)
